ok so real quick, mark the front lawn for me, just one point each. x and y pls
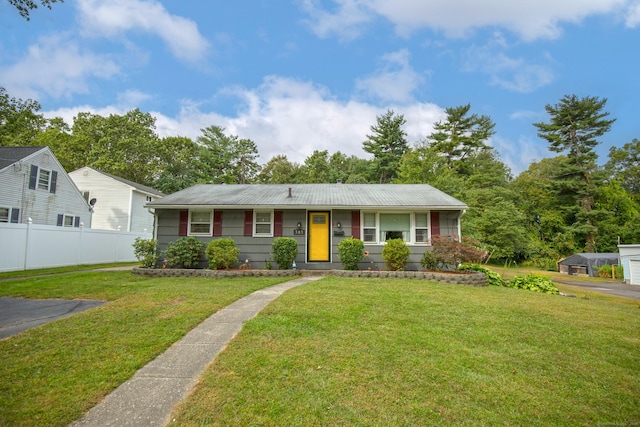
(410, 352)
(53, 374)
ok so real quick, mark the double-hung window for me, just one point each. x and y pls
(263, 223)
(369, 229)
(44, 179)
(4, 214)
(421, 227)
(200, 223)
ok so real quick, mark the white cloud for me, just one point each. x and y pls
(519, 155)
(515, 74)
(347, 22)
(112, 18)
(395, 81)
(131, 98)
(633, 15)
(55, 66)
(285, 116)
(531, 19)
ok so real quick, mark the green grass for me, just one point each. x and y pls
(409, 352)
(53, 374)
(58, 270)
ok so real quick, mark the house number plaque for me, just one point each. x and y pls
(298, 232)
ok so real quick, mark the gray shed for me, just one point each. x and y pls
(587, 264)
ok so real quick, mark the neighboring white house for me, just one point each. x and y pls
(34, 186)
(119, 203)
(630, 260)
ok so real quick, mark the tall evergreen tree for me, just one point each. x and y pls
(461, 135)
(573, 129)
(387, 143)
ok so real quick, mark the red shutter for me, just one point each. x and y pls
(435, 223)
(217, 223)
(184, 223)
(355, 224)
(248, 223)
(277, 223)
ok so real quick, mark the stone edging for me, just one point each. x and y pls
(470, 278)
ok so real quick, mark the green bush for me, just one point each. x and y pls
(535, 283)
(351, 252)
(396, 254)
(285, 251)
(146, 251)
(222, 254)
(493, 278)
(605, 271)
(184, 253)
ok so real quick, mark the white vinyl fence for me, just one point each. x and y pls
(30, 246)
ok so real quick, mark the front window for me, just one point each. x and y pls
(379, 227)
(4, 214)
(263, 223)
(395, 226)
(200, 223)
(44, 179)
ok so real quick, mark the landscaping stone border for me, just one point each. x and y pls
(467, 278)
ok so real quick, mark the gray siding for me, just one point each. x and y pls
(258, 249)
(42, 206)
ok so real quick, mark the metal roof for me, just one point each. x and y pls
(11, 155)
(387, 196)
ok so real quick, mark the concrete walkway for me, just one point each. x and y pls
(148, 398)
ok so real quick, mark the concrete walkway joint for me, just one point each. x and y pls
(148, 398)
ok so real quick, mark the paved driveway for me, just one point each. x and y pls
(19, 314)
(613, 288)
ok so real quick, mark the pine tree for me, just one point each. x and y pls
(387, 144)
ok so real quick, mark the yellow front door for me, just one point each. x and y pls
(319, 236)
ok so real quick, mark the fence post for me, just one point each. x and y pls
(26, 245)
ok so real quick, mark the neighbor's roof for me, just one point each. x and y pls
(11, 155)
(389, 196)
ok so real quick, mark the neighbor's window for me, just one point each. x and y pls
(263, 224)
(395, 226)
(200, 222)
(68, 221)
(44, 179)
(4, 214)
(422, 228)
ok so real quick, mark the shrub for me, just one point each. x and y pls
(222, 254)
(605, 271)
(285, 251)
(184, 253)
(535, 283)
(396, 254)
(351, 252)
(493, 278)
(448, 253)
(146, 251)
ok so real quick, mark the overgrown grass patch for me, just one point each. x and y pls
(409, 352)
(53, 374)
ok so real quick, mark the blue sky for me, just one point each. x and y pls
(302, 75)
